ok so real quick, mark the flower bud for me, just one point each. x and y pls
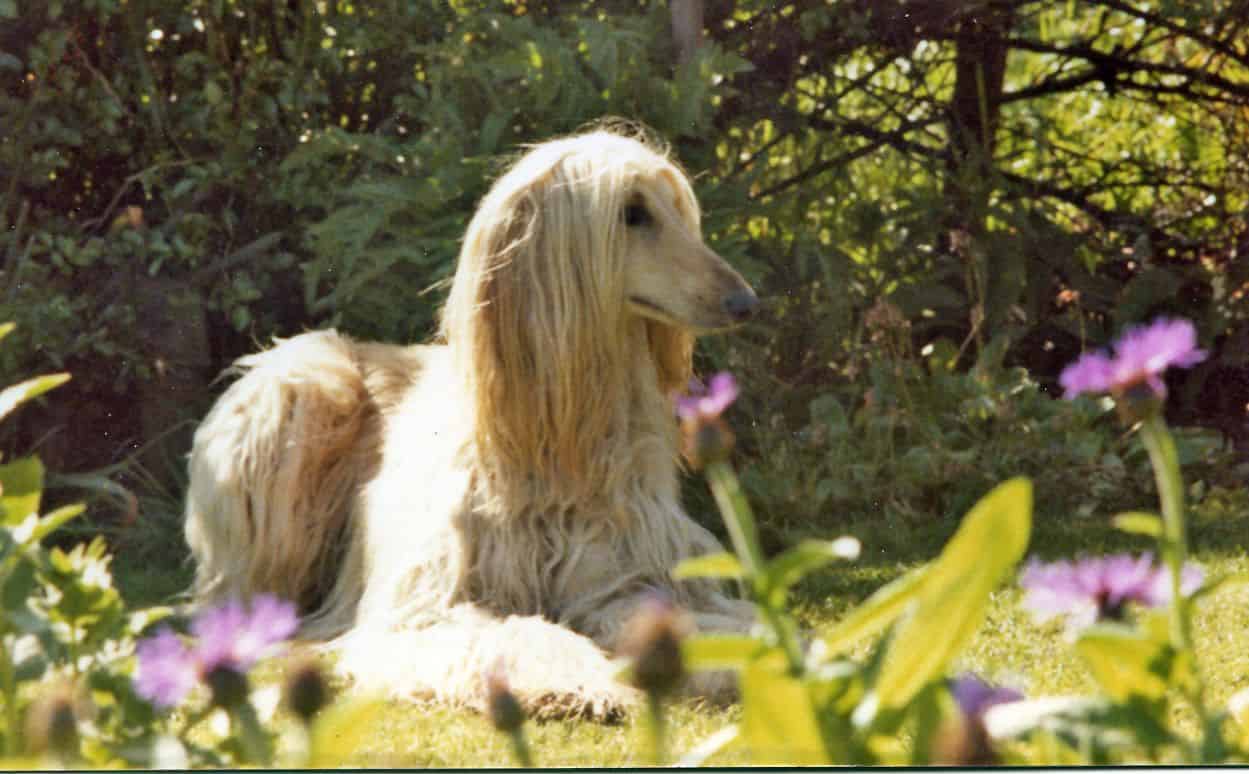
(52, 723)
(1137, 402)
(706, 440)
(652, 638)
(504, 709)
(228, 686)
(306, 690)
(963, 742)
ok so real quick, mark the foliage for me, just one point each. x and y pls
(927, 439)
(242, 169)
(63, 623)
(188, 178)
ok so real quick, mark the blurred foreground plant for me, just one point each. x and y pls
(816, 706)
(1142, 663)
(812, 705)
(77, 690)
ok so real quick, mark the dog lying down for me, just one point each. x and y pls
(505, 497)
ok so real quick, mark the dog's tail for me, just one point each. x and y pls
(273, 467)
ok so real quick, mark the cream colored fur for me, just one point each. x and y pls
(507, 496)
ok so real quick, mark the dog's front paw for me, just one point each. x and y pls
(601, 703)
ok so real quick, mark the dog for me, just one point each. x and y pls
(506, 497)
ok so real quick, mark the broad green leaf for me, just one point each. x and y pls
(721, 565)
(1139, 523)
(876, 612)
(790, 567)
(779, 723)
(340, 730)
(720, 651)
(9, 327)
(955, 593)
(1126, 662)
(21, 485)
(13, 396)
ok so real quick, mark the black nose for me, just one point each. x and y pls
(741, 305)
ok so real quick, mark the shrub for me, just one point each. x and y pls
(928, 439)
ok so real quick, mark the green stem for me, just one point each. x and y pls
(738, 518)
(659, 743)
(1160, 445)
(1174, 543)
(255, 741)
(740, 521)
(520, 748)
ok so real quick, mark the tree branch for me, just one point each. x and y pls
(1118, 64)
(1161, 21)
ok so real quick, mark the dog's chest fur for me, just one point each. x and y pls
(427, 503)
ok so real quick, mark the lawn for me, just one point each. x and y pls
(1009, 647)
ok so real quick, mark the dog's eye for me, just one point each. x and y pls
(636, 215)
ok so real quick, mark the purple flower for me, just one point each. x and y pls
(1099, 588)
(232, 637)
(227, 637)
(975, 696)
(1141, 356)
(708, 403)
(167, 670)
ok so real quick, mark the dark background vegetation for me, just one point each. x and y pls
(942, 203)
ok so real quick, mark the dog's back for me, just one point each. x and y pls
(276, 463)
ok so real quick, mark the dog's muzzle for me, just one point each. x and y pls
(741, 305)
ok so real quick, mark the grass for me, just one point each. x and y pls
(1009, 646)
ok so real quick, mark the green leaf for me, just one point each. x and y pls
(877, 612)
(720, 565)
(8, 9)
(779, 722)
(1139, 523)
(53, 521)
(790, 567)
(21, 485)
(1126, 662)
(720, 651)
(955, 593)
(9, 327)
(15, 395)
(140, 620)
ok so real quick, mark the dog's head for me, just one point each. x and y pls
(581, 244)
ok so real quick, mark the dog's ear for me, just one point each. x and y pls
(535, 339)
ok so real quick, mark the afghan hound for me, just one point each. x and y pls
(506, 497)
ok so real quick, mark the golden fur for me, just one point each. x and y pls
(507, 496)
